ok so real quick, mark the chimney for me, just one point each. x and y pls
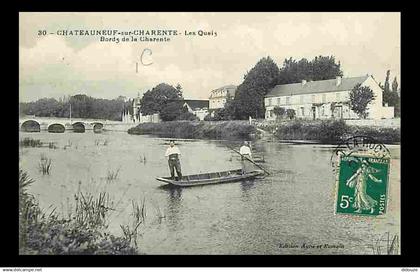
(338, 80)
(303, 82)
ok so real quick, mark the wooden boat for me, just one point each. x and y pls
(212, 178)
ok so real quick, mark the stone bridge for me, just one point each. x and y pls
(59, 125)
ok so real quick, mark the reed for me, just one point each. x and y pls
(90, 211)
(45, 165)
(112, 175)
(68, 145)
(142, 159)
(84, 232)
(52, 145)
(139, 216)
(29, 142)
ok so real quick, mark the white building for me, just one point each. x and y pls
(199, 108)
(137, 116)
(218, 97)
(325, 99)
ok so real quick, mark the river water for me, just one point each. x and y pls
(276, 215)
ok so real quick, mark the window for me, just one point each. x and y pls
(302, 111)
(288, 100)
(269, 101)
(324, 98)
(278, 101)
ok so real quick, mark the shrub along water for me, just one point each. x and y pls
(329, 131)
(83, 233)
(197, 130)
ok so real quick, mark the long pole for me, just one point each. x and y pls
(70, 113)
(259, 166)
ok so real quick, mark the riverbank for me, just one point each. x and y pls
(317, 131)
(327, 131)
(84, 232)
(236, 129)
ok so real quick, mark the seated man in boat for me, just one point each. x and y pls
(246, 155)
(173, 155)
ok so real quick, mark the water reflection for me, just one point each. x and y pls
(174, 206)
(247, 186)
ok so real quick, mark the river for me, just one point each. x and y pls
(274, 215)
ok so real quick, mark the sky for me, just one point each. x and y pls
(55, 65)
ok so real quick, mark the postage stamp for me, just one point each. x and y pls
(362, 185)
(362, 177)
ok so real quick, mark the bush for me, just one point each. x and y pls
(197, 130)
(329, 131)
(188, 116)
(291, 113)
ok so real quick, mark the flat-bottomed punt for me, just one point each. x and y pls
(212, 178)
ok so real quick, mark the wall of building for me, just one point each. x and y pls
(201, 114)
(376, 109)
(305, 105)
(217, 102)
(218, 97)
(322, 102)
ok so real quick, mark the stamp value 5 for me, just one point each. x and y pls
(362, 185)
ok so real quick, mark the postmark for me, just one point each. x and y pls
(362, 171)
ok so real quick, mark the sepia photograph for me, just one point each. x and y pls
(209, 133)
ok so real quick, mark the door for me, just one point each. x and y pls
(339, 112)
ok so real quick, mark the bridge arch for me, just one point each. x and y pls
(56, 128)
(30, 126)
(79, 127)
(97, 127)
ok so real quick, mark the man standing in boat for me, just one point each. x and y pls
(246, 155)
(173, 155)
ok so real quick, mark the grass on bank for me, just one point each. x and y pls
(83, 233)
(197, 129)
(328, 131)
(323, 131)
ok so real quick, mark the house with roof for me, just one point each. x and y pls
(137, 116)
(325, 99)
(199, 108)
(219, 96)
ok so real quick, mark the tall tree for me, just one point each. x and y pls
(395, 85)
(320, 68)
(360, 98)
(153, 101)
(386, 84)
(249, 96)
(391, 97)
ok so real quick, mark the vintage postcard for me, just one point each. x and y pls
(269, 133)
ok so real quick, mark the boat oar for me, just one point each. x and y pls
(259, 166)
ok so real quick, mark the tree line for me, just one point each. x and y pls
(82, 106)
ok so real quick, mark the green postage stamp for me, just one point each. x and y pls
(362, 185)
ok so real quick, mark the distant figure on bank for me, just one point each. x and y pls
(246, 155)
(173, 155)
